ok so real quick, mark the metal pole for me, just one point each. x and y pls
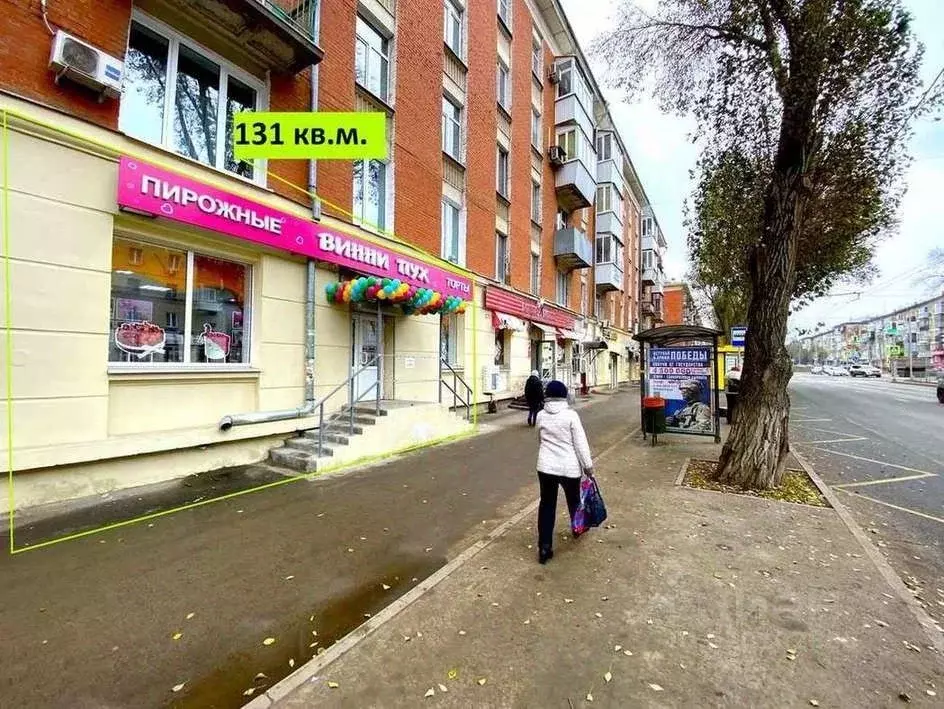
(642, 388)
(910, 351)
(717, 379)
(380, 356)
(439, 357)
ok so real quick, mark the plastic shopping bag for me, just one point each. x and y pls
(591, 512)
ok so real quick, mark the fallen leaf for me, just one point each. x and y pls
(482, 682)
(430, 693)
(495, 605)
(291, 662)
(178, 687)
(461, 632)
(349, 550)
(604, 598)
(931, 692)
(261, 675)
(311, 619)
(655, 688)
(607, 677)
(178, 636)
(268, 641)
(589, 697)
(814, 703)
(428, 549)
(313, 644)
(881, 623)
(289, 578)
(314, 633)
(363, 539)
(598, 615)
(190, 615)
(443, 688)
(627, 653)
(710, 636)
(452, 674)
(385, 587)
(617, 648)
(419, 634)
(333, 685)
(568, 600)
(249, 692)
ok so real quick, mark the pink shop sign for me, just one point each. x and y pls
(152, 190)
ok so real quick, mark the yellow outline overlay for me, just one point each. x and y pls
(405, 248)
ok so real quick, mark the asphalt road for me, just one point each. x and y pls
(122, 618)
(881, 444)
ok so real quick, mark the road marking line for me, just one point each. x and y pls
(828, 430)
(836, 440)
(896, 507)
(872, 460)
(882, 481)
(810, 420)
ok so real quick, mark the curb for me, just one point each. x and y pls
(309, 671)
(881, 563)
(682, 470)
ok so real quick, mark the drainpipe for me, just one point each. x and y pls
(308, 408)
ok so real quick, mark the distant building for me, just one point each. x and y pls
(679, 304)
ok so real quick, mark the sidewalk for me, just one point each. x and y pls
(687, 598)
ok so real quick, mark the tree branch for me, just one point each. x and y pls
(713, 31)
(773, 49)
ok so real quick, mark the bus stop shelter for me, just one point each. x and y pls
(680, 364)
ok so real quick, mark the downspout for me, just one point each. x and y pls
(308, 408)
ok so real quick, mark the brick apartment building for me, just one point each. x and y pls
(680, 306)
(159, 332)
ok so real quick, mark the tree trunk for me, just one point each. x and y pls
(754, 455)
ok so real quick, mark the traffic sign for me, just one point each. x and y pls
(738, 333)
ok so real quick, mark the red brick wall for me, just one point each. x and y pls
(521, 82)
(673, 305)
(481, 135)
(548, 266)
(290, 93)
(419, 124)
(25, 44)
(336, 93)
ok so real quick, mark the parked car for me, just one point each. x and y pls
(816, 370)
(864, 370)
(840, 371)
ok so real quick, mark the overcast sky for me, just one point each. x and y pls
(663, 155)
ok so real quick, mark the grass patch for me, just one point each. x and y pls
(795, 486)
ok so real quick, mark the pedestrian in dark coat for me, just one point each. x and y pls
(534, 394)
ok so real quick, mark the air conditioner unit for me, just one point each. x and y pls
(74, 59)
(553, 75)
(556, 155)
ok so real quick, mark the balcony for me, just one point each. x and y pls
(576, 187)
(276, 35)
(608, 222)
(569, 110)
(608, 277)
(650, 276)
(608, 171)
(572, 249)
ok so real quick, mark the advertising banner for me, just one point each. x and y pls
(682, 376)
(148, 189)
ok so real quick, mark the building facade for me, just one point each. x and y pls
(175, 310)
(680, 306)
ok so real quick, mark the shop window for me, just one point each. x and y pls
(370, 193)
(183, 98)
(150, 320)
(449, 345)
(501, 347)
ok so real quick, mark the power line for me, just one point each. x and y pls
(918, 105)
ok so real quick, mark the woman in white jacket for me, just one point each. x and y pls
(563, 455)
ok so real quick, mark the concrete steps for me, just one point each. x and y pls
(396, 428)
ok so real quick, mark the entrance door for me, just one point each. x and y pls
(365, 350)
(614, 370)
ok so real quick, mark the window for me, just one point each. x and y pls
(500, 348)
(583, 297)
(604, 198)
(370, 192)
(535, 202)
(560, 220)
(149, 303)
(563, 287)
(450, 232)
(504, 86)
(183, 99)
(502, 263)
(451, 129)
(537, 59)
(572, 82)
(598, 307)
(371, 60)
(604, 146)
(604, 249)
(503, 174)
(576, 146)
(504, 12)
(536, 130)
(535, 273)
(452, 28)
(449, 339)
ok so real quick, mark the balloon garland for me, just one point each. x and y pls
(372, 289)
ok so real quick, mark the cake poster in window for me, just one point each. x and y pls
(141, 339)
(215, 344)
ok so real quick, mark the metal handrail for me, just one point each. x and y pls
(349, 382)
(456, 398)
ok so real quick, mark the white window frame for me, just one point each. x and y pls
(578, 85)
(452, 129)
(563, 287)
(537, 59)
(385, 194)
(604, 201)
(603, 249)
(447, 205)
(503, 186)
(503, 85)
(450, 328)
(505, 12)
(174, 40)
(536, 206)
(454, 15)
(583, 297)
(535, 273)
(576, 146)
(188, 329)
(536, 129)
(604, 146)
(383, 54)
(502, 257)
